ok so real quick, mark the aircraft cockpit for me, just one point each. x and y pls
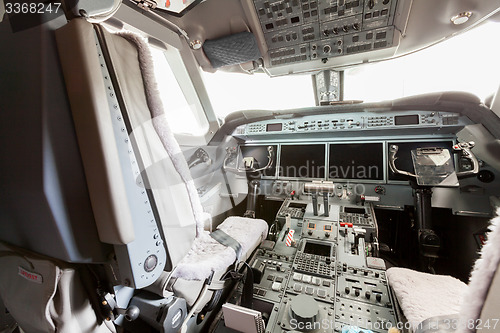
(256, 166)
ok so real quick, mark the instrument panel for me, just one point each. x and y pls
(334, 161)
(329, 147)
(350, 149)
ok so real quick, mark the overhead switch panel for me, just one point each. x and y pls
(305, 30)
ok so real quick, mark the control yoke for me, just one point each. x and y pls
(432, 161)
(250, 164)
(433, 167)
(465, 149)
(393, 150)
(199, 156)
(251, 169)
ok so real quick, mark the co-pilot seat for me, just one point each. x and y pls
(438, 303)
(143, 199)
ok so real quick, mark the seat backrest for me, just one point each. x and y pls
(482, 298)
(44, 198)
(489, 312)
(88, 174)
(129, 116)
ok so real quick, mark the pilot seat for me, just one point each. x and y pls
(124, 187)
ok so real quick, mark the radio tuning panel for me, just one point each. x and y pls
(321, 230)
(362, 289)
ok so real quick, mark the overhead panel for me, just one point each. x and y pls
(305, 30)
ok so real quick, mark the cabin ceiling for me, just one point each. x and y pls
(410, 26)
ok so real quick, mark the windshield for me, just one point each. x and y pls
(468, 62)
(231, 92)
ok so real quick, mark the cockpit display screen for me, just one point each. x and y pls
(406, 120)
(302, 161)
(356, 161)
(318, 249)
(260, 156)
(404, 161)
(274, 127)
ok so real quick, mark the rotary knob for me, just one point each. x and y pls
(304, 309)
(150, 263)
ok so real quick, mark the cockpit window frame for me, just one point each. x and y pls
(191, 83)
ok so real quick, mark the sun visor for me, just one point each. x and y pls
(232, 50)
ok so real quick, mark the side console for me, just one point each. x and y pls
(363, 298)
(271, 272)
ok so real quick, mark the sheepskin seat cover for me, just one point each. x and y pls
(208, 255)
(423, 295)
(482, 274)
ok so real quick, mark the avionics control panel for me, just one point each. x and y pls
(354, 122)
(319, 283)
(304, 30)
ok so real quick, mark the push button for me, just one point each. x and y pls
(150, 263)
